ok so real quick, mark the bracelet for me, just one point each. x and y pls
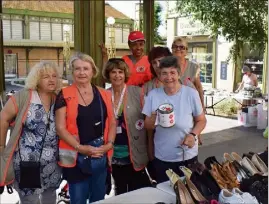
(111, 142)
(77, 147)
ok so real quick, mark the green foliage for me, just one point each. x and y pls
(157, 22)
(239, 21)
(227, 107)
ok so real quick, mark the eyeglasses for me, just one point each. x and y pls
(179, 47)
(116, 60)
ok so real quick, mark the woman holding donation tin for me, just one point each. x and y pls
(175, 112)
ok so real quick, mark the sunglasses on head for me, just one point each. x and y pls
(116, 60)
(179, 47)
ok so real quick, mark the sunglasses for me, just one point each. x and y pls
(179, 47)
(116, 60)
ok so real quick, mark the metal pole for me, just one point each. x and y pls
(2, 69)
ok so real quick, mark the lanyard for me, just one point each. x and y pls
(116, 111)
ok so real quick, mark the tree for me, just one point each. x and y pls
(239, 21)
(157, 22)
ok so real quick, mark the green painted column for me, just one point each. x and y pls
(148, 23)
(265, 71)
(214, 63)
(2, 69)
(90, 30)
(27, 27)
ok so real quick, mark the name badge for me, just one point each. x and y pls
(119, 130)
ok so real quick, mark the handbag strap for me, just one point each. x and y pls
(102, 111)
(46, 131)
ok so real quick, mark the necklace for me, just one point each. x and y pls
(82, 96)
(116, 109)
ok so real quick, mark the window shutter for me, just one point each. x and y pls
(16, 29)
(34, 31)
(126, 32)
(118, 35)
(6, 29)
(45, 31)
(57, 32)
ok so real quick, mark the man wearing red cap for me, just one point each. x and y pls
(137, 61)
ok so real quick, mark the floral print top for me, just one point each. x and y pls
(31, 142)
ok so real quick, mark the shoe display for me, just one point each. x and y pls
(236, 157)
(204, 187)
(264, 157)
(231, 173)
(250, 166)
(226, 197)
(241, 172)
(182, 193)
(218, 175)
(195, 193)
(227, 157)
(245, 196)
(187, 172)
(259, 164)
(173, 177)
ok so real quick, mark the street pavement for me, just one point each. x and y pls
(225, 135)
(220, 135)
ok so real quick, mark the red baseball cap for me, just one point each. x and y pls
(136, 36)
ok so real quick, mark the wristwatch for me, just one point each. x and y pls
(194, 135)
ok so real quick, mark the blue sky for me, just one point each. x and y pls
(128, 8)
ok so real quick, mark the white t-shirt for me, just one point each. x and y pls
(186, 103)
(249, 80)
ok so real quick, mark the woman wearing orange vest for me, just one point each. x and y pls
(86, 126)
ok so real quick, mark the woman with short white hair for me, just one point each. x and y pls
(175, 140)
(30, 156)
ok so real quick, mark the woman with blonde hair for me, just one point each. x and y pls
(86, 126)
(189, 71)
(30, 156)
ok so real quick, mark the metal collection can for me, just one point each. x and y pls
(166, 115)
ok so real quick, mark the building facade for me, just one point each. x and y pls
(211, 53)
(34, 31)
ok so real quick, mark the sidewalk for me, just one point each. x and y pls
(225, 135)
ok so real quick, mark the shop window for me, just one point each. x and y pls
(201, 53)
(11, 65)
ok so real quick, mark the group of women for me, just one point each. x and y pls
(84, 132)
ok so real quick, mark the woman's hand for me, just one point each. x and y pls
(189, 141)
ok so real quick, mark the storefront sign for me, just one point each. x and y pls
(187, 26)
(223, 70)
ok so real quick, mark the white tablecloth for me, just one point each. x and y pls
(144, 195)
(166, 187)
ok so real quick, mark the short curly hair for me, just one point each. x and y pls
(157, 52)
(34, 76)
(116, 63)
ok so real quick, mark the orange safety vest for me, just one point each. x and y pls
(68, 154)
(139, 72)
